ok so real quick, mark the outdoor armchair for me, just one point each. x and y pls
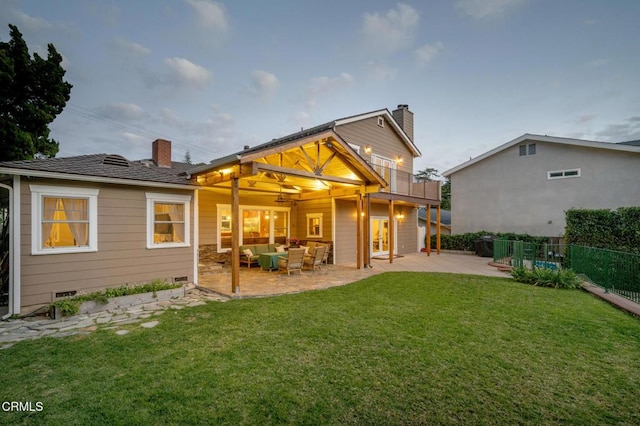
(293, 261)
(314, 260)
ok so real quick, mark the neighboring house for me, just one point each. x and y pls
(445, 224)
(84, 223)
(527, 184)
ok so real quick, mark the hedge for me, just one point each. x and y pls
(467, 241)
(610, 229)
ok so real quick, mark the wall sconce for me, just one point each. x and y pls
(362, 214)
(367, 149)
(400, 216)
(399, 160)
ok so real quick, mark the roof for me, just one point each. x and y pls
(445, 215)
(331, 125)
(624, 147)
(94, 166)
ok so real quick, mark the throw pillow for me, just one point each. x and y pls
(279, 249)
(306, 250)
(248, 252)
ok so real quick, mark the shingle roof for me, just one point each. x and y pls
(93, 165)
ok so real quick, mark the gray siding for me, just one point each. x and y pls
(345, 242)
(122, 256)
(384, 141)
(511, 193)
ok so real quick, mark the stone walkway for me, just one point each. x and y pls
(119, 320)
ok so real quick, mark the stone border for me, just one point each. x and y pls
(123, 302)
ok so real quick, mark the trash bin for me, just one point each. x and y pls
(484, 246)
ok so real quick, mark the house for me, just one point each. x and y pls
(526, 185)
(445, 224)
(84, 223)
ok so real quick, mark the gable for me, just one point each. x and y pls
(527, 139)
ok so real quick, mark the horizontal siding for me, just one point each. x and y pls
(313, 206)
(122, 256)
(384, 141)
(345, 242)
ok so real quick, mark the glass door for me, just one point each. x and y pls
(379, 236)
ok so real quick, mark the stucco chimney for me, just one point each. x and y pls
(404, 118)
(161, 153)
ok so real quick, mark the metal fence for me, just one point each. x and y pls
(616, 272)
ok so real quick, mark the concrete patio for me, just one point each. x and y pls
(255, 282)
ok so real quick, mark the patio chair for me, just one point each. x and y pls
(315, 260)
(292, 262)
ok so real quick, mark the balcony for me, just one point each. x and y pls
(405, 184)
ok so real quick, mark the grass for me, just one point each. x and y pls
(396, 348)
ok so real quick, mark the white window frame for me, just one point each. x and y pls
(272, 211)
(563, 173)
(380, 121)
(38, 193)
(320, 231)
(185, 200)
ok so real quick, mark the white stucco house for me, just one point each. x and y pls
(527, 184)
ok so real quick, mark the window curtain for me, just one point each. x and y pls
(176, 212)
(47, 219)
(76, 212)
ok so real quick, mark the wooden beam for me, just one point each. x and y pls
(391, 231)
(428, 242)
(304, 174)
(235, 237)
(236, 171)
(338, 192)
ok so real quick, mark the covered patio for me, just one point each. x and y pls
(259, 283)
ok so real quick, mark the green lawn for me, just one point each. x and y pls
(397, 348)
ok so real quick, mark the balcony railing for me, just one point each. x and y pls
(404, 183)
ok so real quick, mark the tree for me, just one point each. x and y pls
(445, 193)
(187, 158)
(32, 94)
(428, 174)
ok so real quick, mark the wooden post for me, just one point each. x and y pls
(367, 231)
(235, 237)
(359, 232)
(391, 231)
(438, 228)
(428, 242)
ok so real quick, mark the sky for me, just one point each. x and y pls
(214, 76)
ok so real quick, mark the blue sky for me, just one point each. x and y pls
(213, 76)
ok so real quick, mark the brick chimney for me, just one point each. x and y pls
(161, 153)
(404, 118)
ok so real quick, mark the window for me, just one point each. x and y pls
(527, 149)
(380, 121)
(258, 225)
(63, 219)
(561, 174)
(168, 220)
(314, 225)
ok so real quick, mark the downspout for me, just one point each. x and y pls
(14, 247)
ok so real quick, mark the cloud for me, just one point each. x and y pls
(379, 71)
(184, 73)
(128, 49)
(628, 130)
(210, 16)
(263, 83)
(391, 32)
(425, 53)
(321, 86)
(123, 112)
(586, 118)
(486, 9)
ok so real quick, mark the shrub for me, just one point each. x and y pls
(609, 229)
(563, 278)
(71, 306)
(467, 241)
